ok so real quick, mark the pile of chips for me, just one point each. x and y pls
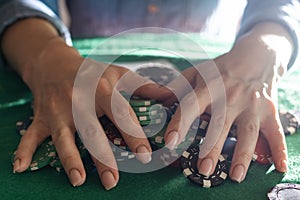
(154, 118)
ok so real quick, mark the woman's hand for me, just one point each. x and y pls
(249, 74)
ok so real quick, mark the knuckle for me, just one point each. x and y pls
(244, 156)
(60, 134)
(104, 87)
(88, 132)
(234, 94)
(250, 128)
(216, 150)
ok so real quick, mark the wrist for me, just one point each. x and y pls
(55, 62)
(274, 39)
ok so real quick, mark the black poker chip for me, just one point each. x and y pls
(284, 191)
(158, 73)
(289, 122)
(189, 165)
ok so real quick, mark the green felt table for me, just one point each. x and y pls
(167, 183)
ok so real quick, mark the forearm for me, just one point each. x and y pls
(34, 43)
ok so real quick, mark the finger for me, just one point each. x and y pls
(89, 129)
(247, 134)
(207, 164)
(273, 132)
(95, 140)
(122, 115)
(109, 176)
(181, 85)
(133, 83)
(190, 107)
(34, 136)
(64, 141)
(154, 91)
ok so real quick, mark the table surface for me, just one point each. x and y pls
(167, 183)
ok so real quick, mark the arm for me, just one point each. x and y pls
(48, 65)
(12, 11)
(266, 44)
(284, 13)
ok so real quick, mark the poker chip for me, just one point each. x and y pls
(21, 126)
(284, 191)
(44, 154)
(262, 152)
(228, 148)
(152, 121)
(170, 157)
(158, 73)
(157, 140)
(55, 163)
(138, 103)
(122, 153)
(151, 117)
(157, 107)
(289, 122)
(200, 126)
(189, 160)
(233, 131)
(114, 135)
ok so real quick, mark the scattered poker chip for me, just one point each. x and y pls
(284, 191)
(262, 152)
(289, 122)
(55, 163)
(21, 126)
(189, 160)
(44, 154)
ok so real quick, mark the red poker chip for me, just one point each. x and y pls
(114, 135)
(205, 117)
(262, 153)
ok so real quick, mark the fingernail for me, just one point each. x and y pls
(238, 173)
(172, 139)
(75, 177)
(16, 166)
(284, 166)
(108, 180)
(143, 154)
(206, 166)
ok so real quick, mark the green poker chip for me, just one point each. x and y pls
(138, 103)
(145, 109)
(150, 112)
(43, 156)
(151, 117)
(152, 121)
(157, 140)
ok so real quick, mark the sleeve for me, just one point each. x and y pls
(14, 10)
(285, 12)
